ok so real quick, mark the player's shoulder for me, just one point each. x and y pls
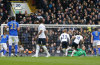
(41, 25)
(9, 22)
(2, 35)
(16, 22)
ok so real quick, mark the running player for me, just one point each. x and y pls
(80, 52)
(65, 39)
(4, 39)
(42, 38)
(95, 39)
(13, 34)
(75, 44)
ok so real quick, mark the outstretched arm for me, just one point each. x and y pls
(85, 54)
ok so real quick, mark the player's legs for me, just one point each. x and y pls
(75, 55)
(68, 49)
(94, 46)
(37, 48)
(75, 48)
(44, 47)
(10, 44)
(98, 45)
(5, 48)
(2, 47)
(64, 46)
(16, 44)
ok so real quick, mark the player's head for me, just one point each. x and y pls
(83, 48)
(80, 33)
(12, 18)
(65, 31)
(95, 29)
(40, 21)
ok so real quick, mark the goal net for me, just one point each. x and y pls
(28, 32)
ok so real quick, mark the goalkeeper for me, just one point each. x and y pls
(80, 52)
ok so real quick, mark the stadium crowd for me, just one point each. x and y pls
(59, 12)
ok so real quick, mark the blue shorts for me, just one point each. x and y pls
(42, 41)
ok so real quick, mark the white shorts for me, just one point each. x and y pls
(13, 39)
(4, 45)
(96, 43)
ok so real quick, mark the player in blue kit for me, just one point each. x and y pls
(4, 39)
(96, 41)
(13, 34)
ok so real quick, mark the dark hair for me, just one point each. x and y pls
(13, 18)
(40, 21)
(95, 29)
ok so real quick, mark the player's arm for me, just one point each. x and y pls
(72, 38)
(91, 38)
(69, 38)
(18, 28)
(82, 40)
(85, 54)
(6, 26)
(46, 35)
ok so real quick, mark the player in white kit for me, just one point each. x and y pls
(76, 42)
(42, 37)
(65, 39)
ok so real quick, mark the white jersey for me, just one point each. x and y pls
(65, 37)
(41, 27)
(78, 39)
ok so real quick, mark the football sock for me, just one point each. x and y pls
(4, 52)
(16, 47)
(99, 50)
(94, 51)
(67, 50)
(37, 49)
(73, 52)
(10, 50)
(45, 48)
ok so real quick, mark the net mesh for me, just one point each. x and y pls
(28, 32)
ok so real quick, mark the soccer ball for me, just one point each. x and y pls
(12, 54)
(7, 29)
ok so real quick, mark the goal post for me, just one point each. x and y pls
(49, 27)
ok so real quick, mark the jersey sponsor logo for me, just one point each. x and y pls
(4, 36)
(96, 33)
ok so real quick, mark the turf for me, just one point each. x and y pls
(50, 61)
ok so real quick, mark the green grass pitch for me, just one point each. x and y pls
(50, 61)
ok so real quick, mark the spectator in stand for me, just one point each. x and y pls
(25, 38)
(58, 50)
(21, 49)
(51, 48)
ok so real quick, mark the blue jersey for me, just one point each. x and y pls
(13, 25)
(4, 38)
(96, 35)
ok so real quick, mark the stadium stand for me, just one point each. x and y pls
(55, 12)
